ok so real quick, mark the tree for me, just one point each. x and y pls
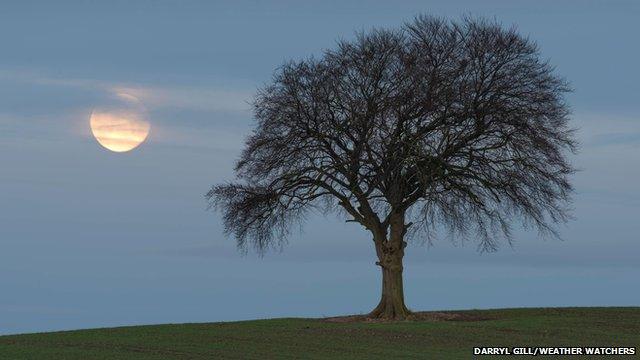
(439, 125)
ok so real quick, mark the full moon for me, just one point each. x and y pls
(120, 129)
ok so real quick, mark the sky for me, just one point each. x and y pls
(93, 238)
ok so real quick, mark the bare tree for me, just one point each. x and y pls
(439, 125)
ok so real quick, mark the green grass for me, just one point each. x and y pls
(319, 339)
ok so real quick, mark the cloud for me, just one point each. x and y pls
(609, 160)
(625, 138)
(601, 130)
(194, 116)
(212, 138)
(231, 98)
(192, 98)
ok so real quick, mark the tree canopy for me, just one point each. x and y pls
(459, 124)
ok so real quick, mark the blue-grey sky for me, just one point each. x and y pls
(92, 238)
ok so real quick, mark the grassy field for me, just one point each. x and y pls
(448, 335)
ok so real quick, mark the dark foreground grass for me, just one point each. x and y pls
(321, 339)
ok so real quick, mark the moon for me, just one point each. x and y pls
(120, 129)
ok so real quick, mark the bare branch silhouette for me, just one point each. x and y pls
(440, 123)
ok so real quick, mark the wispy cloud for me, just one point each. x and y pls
(609, 158)
(599, 130)
(190, 97)
(620, 138)
(195, 116)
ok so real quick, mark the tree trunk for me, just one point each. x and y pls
(391, 305)
(390, 254)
